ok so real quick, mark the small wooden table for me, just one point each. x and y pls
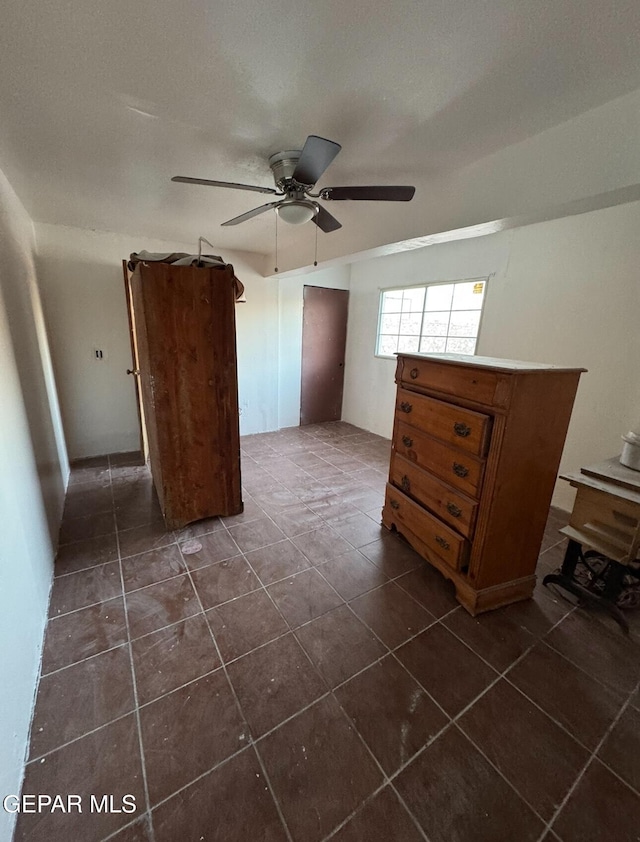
(606, 519)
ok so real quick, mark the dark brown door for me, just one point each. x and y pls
(324, 337)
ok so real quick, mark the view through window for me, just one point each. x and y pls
(435, 318)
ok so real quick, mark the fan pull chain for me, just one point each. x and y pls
(315, 261)
(276, 266)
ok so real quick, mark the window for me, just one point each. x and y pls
(436, 318)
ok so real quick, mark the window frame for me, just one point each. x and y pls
(381, 290)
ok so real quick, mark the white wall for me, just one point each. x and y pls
(257, 338)
(291, 291)
(369, 381)
(33, 475)
(82, 287)
(563, 292)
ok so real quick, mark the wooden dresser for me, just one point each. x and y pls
(476, 447)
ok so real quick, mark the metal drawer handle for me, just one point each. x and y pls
(405, 483)
(453, 510)
(460, 470)
(461, 429)
(394, 504)
(407, 442)
(406, 407)
(414, 373)
(444, 544)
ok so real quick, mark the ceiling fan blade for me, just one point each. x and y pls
(186, 180)
(250, 214)
(386, 193)
(317, 153)
(325, 221)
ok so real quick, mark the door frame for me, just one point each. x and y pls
(135, 362)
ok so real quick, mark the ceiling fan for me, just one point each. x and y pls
(295, 173)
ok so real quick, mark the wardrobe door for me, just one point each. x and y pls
(185, 332)
(134, 371)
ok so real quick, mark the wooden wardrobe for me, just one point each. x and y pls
(182, 321)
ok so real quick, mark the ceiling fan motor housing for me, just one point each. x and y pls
(283, 165)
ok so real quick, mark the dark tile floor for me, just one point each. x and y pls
(305, 676)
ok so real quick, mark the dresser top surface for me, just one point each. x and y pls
(492, 363)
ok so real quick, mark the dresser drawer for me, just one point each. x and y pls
(460, 427)
(449, 505)
(441, 541)
(476, 384)
(460, 469)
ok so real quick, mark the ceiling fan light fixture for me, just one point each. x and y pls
(296, 211)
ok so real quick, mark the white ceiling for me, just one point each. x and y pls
(102, 102)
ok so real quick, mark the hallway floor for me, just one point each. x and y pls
(305, 676)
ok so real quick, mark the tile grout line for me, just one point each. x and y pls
(228, 602)
(285, 621)
(589, 751)
(40, 757)
(143, 763)
(386, 778)
(573, 663)
(588, 763)
(497, 769)
(451, 723)
(88, 658)
(316, 479)
(106, 534)
(409, 812)
(541, 640)
(556, 722)
(315, 670)
(200, 777)
(505, 675)
(239, 707)
(84, 569)
(386, 783)
(146, 817)
(123, 715)
(272, 790)
(635, 790)
(63, 576)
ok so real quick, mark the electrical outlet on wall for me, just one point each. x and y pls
(99, 354)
